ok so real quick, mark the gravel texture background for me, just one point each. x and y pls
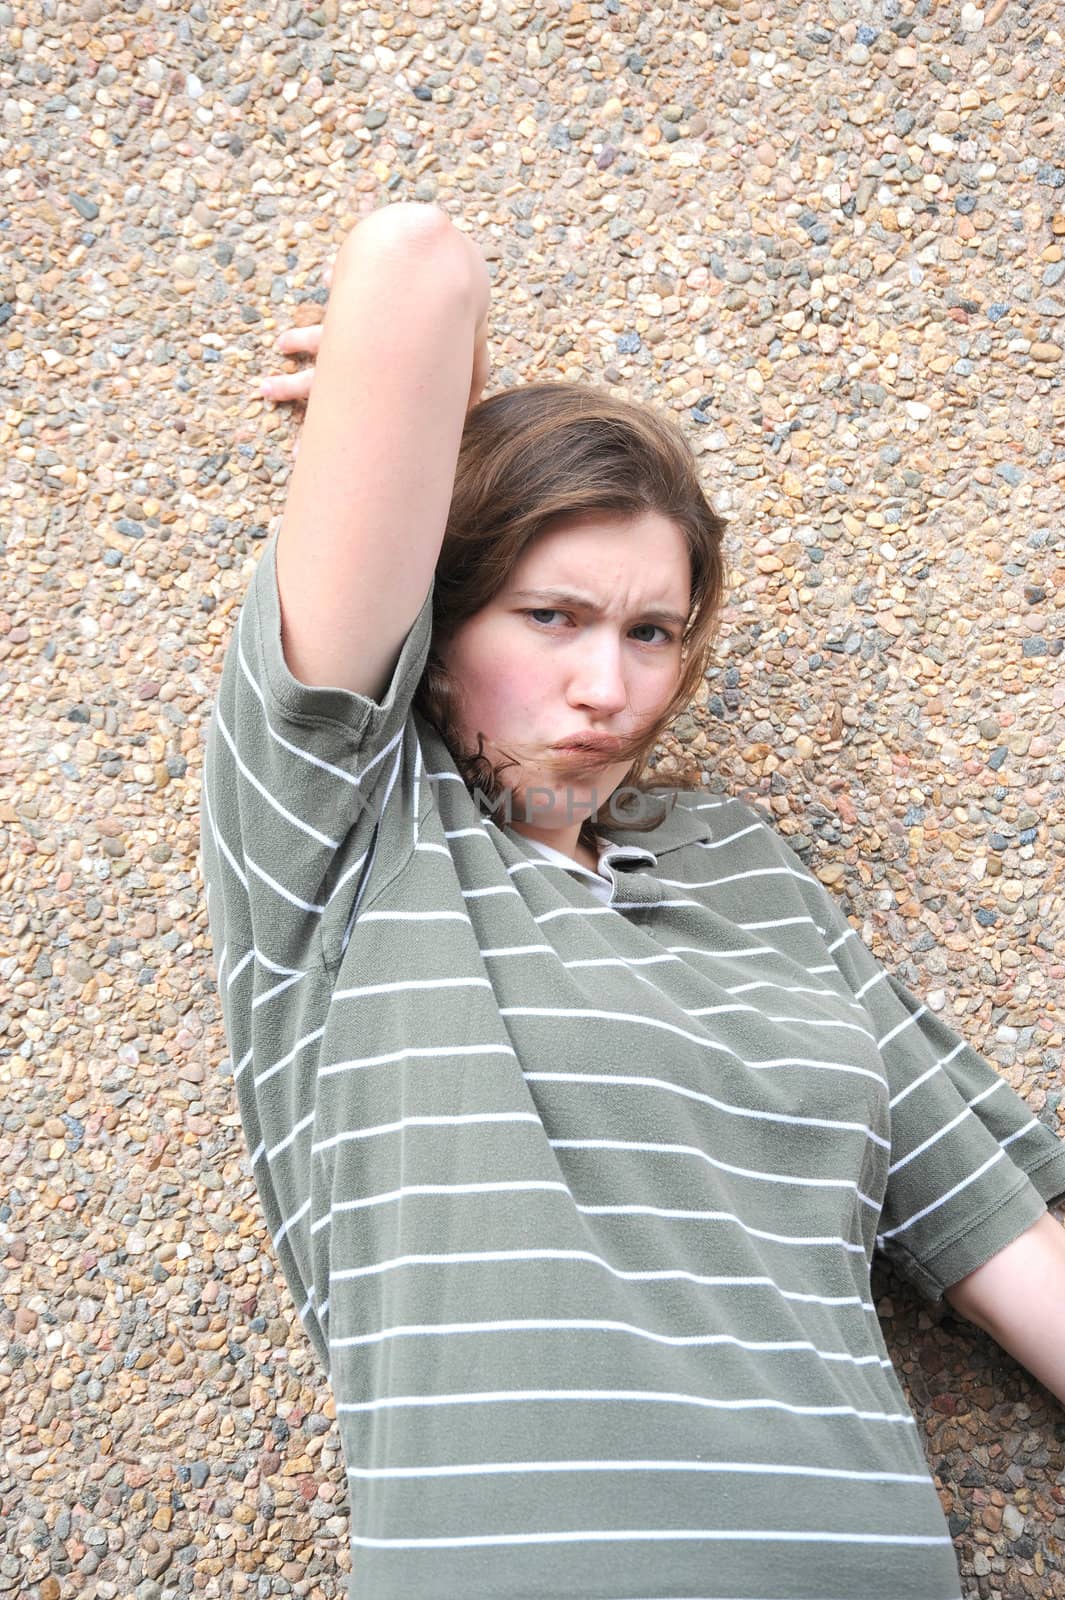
(829, 237)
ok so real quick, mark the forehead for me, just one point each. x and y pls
(645, 558)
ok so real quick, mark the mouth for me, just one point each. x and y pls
(590, 743)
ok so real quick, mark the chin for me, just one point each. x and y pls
(572, 805)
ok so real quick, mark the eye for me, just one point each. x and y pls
(540, 613)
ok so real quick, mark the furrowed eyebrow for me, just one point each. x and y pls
(582, 602)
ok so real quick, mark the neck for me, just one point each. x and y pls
(567, 841)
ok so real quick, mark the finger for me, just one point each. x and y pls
(327, 274)
(290, 386)
(302, 340)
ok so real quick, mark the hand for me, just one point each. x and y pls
(303, 340)
(307, 339)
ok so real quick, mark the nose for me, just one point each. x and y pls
(597, 681)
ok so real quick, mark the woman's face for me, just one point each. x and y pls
(584, 638)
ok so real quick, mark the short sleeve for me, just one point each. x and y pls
(971, 1168)
(307, 791)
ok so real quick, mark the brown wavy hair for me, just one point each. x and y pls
(531, 458)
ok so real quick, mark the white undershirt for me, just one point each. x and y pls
(602, 887)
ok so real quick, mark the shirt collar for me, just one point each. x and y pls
(679, 824)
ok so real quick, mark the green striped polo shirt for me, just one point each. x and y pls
(577, 1195)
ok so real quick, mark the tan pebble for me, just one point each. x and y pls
(162, 1519)
(176, 1353)
(1012, 1521)
(48, 1588)
(243, 1513)
(1045, 352)
(25, 1319)
(62, 1379)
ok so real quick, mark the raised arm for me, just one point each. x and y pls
(371, 488)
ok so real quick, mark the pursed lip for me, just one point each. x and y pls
(606, 743)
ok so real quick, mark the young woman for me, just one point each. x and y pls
(577, 1111)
